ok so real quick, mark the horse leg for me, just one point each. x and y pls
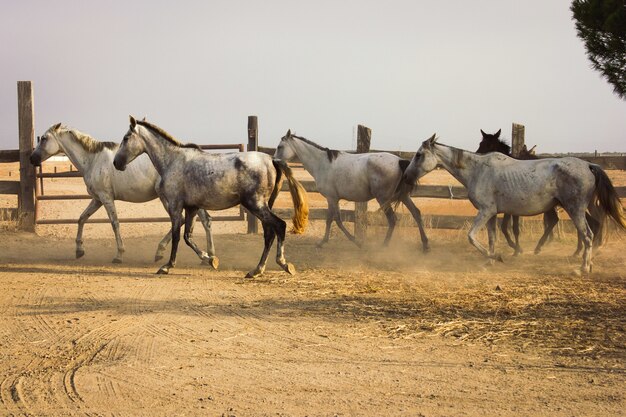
(168, 236)
(550, 219)
(518, 248)
(339, 222)
(93, 206)
(584, 232)
(208, 258)
(190, 220)
(391, 220)
(330, 216)
(280, 228)
(504, 227)
(268, 235)
(112, 212)
(417, 215)
(481, 219)
(176, 217)
(491, 235)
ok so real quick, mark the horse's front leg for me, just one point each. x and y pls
(112, 212)
(516, 230)
(190, 219)
(491, 235)
(176, 217)
(335, 208)
(93, 206)
(417, 215)
(208, 258)
(481, 219)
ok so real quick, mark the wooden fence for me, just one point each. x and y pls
(30, 191)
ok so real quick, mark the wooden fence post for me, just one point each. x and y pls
(26, 131)
(253, 145)
(517, 140)
(363, 139)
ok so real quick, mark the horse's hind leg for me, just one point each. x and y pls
(112, 212)
(584, 232)
(391, 221)
(550, 219)
(281, 227)
(417, 215)
(93, 206)
(269, 233)
(211, 258)
(491, 235)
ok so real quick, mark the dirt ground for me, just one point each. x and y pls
(367, 331)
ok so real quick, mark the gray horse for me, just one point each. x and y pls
(192, 179)
(353, 177)
(94, 160)
(497, 183)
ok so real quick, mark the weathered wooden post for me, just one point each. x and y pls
(253, 145)
(517, 140)
(26, 132)
(363, 139)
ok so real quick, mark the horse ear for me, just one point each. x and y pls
(288, 133)
(144, 119)
(497, 134)
(133, 122)
(483, 133)
(56, 126)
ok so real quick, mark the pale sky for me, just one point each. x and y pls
(406, 69)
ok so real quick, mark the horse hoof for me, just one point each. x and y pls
(212, 261)
(537, 251)
(499, 258)
(117, 261)
(289, 268)
(163, 271)
(253, 274)
(320, 245)
(426, 249)
(80, 254)
(157, 258)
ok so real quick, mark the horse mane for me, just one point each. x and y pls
(167, 136)
(457, 155)
(89, 144)
(330, 153)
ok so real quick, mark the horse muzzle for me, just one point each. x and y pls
(120, 166)
(35, 159)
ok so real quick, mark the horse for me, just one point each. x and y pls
(353, 177)
(493, 143)
(497, 183)
(192, 179)
(94, 159)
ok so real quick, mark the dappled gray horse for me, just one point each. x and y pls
(192, 179)
(497, 183)
(94, 159)
(353, 177)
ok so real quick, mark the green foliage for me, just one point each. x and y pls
(601, 24)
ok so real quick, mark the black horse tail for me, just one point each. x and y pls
(403, 189)
(300, 217)
(606, 196)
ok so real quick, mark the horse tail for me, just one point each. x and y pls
(298, 196)
(606, 196)
(278, 184)
(402, 190)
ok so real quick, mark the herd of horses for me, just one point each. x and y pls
(150, 163)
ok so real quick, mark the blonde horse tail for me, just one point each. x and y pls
(300, 217)
(607, 197)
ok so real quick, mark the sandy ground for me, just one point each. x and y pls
(356, 332)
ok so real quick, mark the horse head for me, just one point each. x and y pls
(47, 145)
(132, 146)
(284, 150)
(493, 143)
(424, 161)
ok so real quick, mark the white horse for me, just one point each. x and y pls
(353, 177)
(192, 179)
(105, 184)
(497, 183)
